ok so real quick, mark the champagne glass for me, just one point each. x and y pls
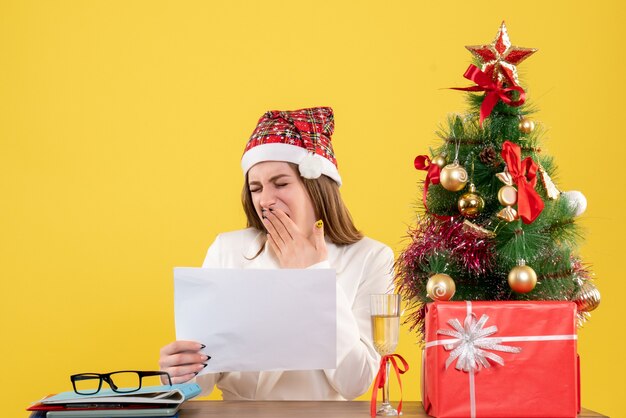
(385, 311)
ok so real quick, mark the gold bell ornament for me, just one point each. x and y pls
(440, 286)
(522, 278)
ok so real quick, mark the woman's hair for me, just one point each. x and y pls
(328, 206)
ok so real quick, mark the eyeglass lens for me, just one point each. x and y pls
(86, 383)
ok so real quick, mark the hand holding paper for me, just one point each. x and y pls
(183, 360)
(257, 320)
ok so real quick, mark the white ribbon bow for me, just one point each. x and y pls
(472, 341)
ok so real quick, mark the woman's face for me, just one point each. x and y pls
(276, 185)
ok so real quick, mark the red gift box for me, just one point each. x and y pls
(500, 359)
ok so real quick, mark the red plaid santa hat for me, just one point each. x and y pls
(299, 136)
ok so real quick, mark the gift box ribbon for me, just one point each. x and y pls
(471, 342)
(381, 377)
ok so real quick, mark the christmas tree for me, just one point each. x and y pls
(494, 226)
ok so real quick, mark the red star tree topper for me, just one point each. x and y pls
(499, 58)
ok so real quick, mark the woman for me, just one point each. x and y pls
(297, 219)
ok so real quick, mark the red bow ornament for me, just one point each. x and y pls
(381, 378)
(495, 91)
(423, 162)
(524, 175)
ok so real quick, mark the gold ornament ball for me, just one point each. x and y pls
(587, 298)
(470, 204)
(453, 177)
(440, 286)
(522, 279)
(507, 195)
(439, 160)
(526, 126)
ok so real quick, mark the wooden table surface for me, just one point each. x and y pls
(301, 409)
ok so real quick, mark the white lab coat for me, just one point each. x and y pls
(362, 268)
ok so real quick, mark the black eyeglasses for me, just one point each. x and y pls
(123, 381)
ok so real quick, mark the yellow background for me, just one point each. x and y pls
(122, 124)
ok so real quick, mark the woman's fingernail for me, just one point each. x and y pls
(202, 346)
(319, 224)
(204, 365)
(195, 373)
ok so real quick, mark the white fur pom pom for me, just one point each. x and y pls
(310, 167)
(576, 200)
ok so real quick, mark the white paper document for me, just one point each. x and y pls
(258, 320)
